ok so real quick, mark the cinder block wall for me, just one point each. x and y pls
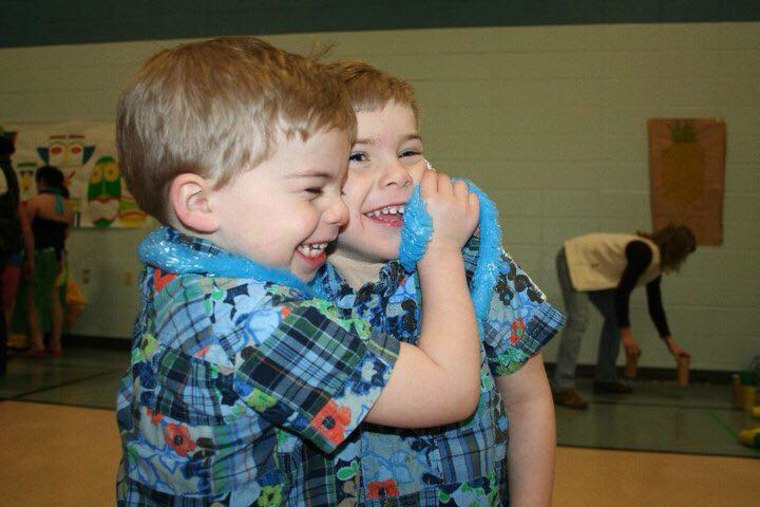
(550, 121)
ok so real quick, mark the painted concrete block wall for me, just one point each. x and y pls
(551, 121)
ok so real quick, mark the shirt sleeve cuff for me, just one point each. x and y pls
(342, 414)
(544, 323)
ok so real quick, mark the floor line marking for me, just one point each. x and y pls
(62, 384)
(722, 424)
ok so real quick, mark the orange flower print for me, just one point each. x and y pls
(331, 421)
(518, 328)
(284, 311)
(160, 279)
(178, 437)
(155, 417)
(379, 489)
(202, 352)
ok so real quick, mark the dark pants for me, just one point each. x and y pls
(3, 334)
(577, 310)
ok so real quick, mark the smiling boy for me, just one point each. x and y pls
(240, 150)
(464, 463)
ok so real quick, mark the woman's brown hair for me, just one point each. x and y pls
(675, 242)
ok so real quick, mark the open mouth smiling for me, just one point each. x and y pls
(388, 215)
(312, 250)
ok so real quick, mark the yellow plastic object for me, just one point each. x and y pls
(750, 437)
(75, 301)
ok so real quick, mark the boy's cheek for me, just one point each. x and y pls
(416, 171)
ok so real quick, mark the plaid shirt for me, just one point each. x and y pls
(234, 383)
(460, 464)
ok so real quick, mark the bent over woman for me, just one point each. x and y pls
(603, 269)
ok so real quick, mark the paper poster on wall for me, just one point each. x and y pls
(687, 167)
(86, 153)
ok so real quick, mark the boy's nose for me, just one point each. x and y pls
(337, 212)
(396, 173)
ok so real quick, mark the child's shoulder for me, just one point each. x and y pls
(192, 287)
(201, 314)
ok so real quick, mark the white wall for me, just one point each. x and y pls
(551, 121)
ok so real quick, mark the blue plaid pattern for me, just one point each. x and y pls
(238, 388)
(461, 464)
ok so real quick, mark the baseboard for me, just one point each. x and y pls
(658, 374)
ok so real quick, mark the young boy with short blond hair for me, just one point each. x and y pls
(241, 150)
(465, 463)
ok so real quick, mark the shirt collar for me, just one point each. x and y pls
(174, 252)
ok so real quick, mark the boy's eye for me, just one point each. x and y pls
(410, 153)
(410, 157)
(358, 157)
(314, 190)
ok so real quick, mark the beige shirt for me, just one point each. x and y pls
(596, 261)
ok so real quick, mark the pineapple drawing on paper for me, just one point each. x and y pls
(683, 164)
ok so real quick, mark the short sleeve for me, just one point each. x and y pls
(314, 373)
(520, 319)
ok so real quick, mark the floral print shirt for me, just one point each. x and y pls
(461, 464)
(234, 383)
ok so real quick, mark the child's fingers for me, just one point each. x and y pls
(428, 184)
(461, 190)
(445, 186)
(474, 203)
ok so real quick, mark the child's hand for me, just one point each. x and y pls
(453, 209)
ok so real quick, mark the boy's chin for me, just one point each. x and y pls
(379, 256)
(305, 277)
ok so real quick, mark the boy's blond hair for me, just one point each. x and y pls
(371, 88)
(215, 108)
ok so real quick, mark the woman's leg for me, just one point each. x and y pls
(57, 321)
(576, 308)
(35, 333)
(609, 341)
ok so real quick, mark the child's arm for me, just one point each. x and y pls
(519, 324)
(439, 381)
(532, 436)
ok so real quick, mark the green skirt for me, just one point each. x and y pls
(46, 277)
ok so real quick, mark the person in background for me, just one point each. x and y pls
(14, 234)
(604, 268)
(50, 214)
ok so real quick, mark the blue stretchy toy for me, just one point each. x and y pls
(418, 229)
(164, 248)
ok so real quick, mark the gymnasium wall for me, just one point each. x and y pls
(550, 120)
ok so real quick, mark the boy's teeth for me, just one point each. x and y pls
(388, 210)
(313, 250)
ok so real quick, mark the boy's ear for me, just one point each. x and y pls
(189, 195)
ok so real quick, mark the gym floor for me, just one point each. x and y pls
(662, 445)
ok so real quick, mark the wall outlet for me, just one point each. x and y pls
(85, 276)
(127, 278)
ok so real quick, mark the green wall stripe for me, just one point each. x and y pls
(46, 22)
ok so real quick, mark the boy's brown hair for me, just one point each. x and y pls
(215, 108)
(371, 88)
